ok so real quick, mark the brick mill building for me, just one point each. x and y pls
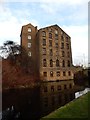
(50, 48)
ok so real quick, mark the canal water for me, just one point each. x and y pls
(34, 103)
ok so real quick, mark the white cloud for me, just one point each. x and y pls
(50, 1)
(10, 25)
(79, 42)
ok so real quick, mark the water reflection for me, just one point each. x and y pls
(39, 101)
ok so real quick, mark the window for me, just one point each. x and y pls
(69, 73)
(68, 63)
(64, 73)
(44, 51)
(29, 54)
(66, 39)
(51, 63)
(50, 35)
(45, 89)
(63, 63)
(29, 29)
(44, 34)
(51, 73)
(51, 52)
(56, 44)
(67, 45)
(56, 32)
(62, 45)
(29, 37)
(29, 45)
(65, 86)
(61, 32)
(56, 36)
(70, 85)
(44, 42)
(59, 87)
(57, 63)
(62, 38)
(68, 54)
(63, 53)
(58, 73)
(50, 43)
(52, 88)
(44, 63)
(45, 74)
(50, 29)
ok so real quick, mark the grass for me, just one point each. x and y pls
(77, 108)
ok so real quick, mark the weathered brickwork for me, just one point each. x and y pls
(50, 47)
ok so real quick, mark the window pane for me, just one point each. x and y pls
(64, 73)
(44, 63)
(58, 73)
(50, 42)
(29, 53)
(56, 32)
(45, 74)
(29, 37)
(29, 45)
(62, 38)
(63, 63)
(50, 35)
(44, 42)
(62, 45)
(59, 87)
(29, 29)
(51, 74)
(63, 53)
(43, 33)
(68, 63)
(52, 88)
(69, 73)
(44, 51)
(51, 63)
(51, 52)
(56, 44)
(67, 46)
(57, 63)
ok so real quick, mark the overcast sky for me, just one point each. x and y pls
(70, 15)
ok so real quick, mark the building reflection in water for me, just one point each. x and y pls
(56, 94)
(39, 101)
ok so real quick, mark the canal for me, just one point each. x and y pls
(34, 103)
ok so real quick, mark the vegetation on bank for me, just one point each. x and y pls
(18, 69)
(78, 108)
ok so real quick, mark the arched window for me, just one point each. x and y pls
(51, 73)
(51, 63)
(43, 33)
(50, 35)
(29, 29)
(63, 63)
(68, 63)
(44, 63)
(44, 42)
(69, 73)
(63, 53)
(57, 63)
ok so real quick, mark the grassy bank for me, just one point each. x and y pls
(78, 108)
